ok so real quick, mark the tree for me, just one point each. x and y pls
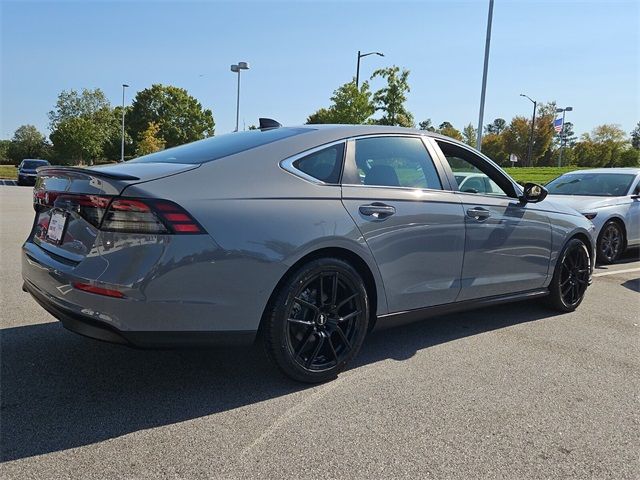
(629, 157)
(449, 130)
(322, 115)
(470, 135)
(149, 141)
(81, 125)
(603, 147)
(71, 104)
(4, 150)
(27, 142)
(350, 105)
(79, 139)
(390, 99)
(113, 145)
(493, 147)
(179, 116)
(516, 137)
(427, 125)
(635, 137)
(497, 126)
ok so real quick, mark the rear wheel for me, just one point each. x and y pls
(317, 321)
(571, 277)
(610, 242)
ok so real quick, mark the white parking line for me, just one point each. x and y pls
(613, 272)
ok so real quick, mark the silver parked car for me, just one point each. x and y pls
(304, 237)
(610, 198)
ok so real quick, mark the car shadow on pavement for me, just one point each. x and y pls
(61, 391)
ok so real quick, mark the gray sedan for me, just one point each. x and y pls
(610, 198)
(305, 238)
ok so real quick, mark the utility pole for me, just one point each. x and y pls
(124, 85)
(484, 74)
(533, 124)
(360, 55)
(562, 135)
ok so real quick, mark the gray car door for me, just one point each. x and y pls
(508, 242)
(415, 229)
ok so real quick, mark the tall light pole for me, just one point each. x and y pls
(562, 136)
(124, 85)
(236, 69)
(533, 124)
(484, 74)
(360, 55)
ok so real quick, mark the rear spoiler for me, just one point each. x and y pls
(86, 171)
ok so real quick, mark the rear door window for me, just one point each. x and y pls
(395, 162)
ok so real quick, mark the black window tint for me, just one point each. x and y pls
(395, 162)
(324, 165)
(220, 146)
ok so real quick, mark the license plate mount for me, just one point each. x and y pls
(57, 226)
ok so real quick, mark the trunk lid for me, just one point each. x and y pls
(71, 201)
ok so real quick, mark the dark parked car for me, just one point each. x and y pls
(27, 170)
(305, 238)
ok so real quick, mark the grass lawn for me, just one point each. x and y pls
(539, 175)
(8, 171)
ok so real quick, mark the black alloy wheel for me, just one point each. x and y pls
(319, 320)
(610, 242)
(571, 278)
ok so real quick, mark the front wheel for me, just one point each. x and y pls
(318, 320)
(610, 242)
(571, 277)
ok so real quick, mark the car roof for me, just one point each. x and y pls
(355, 130)
(620, 170)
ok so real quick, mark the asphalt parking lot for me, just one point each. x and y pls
(514, 392)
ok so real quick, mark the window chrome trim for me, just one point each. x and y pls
(287, 163)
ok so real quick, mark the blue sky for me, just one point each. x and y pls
(583, 54)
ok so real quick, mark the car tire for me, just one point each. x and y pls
(571, 277)
(611, 242)
(317, 321)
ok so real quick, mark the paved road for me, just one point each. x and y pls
(514, 392)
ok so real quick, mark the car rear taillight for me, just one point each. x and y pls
(116, 214)
(148, 216)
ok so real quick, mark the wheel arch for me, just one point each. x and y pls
(620, 221)
(373, 284)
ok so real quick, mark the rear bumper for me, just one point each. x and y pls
(175, 292)
(92, 328)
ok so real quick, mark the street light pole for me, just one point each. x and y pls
(360, 55)
(236, 69)
(484, 75)
(562, 136)
(533, 124)
(124, 85)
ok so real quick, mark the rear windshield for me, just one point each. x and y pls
(591, 184)
(220, 146)
(34, 163)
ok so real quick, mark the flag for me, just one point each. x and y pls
(557, 125)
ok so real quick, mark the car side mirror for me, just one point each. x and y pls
(533, 193)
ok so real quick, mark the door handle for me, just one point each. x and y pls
(377, 210)
(478, 213)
